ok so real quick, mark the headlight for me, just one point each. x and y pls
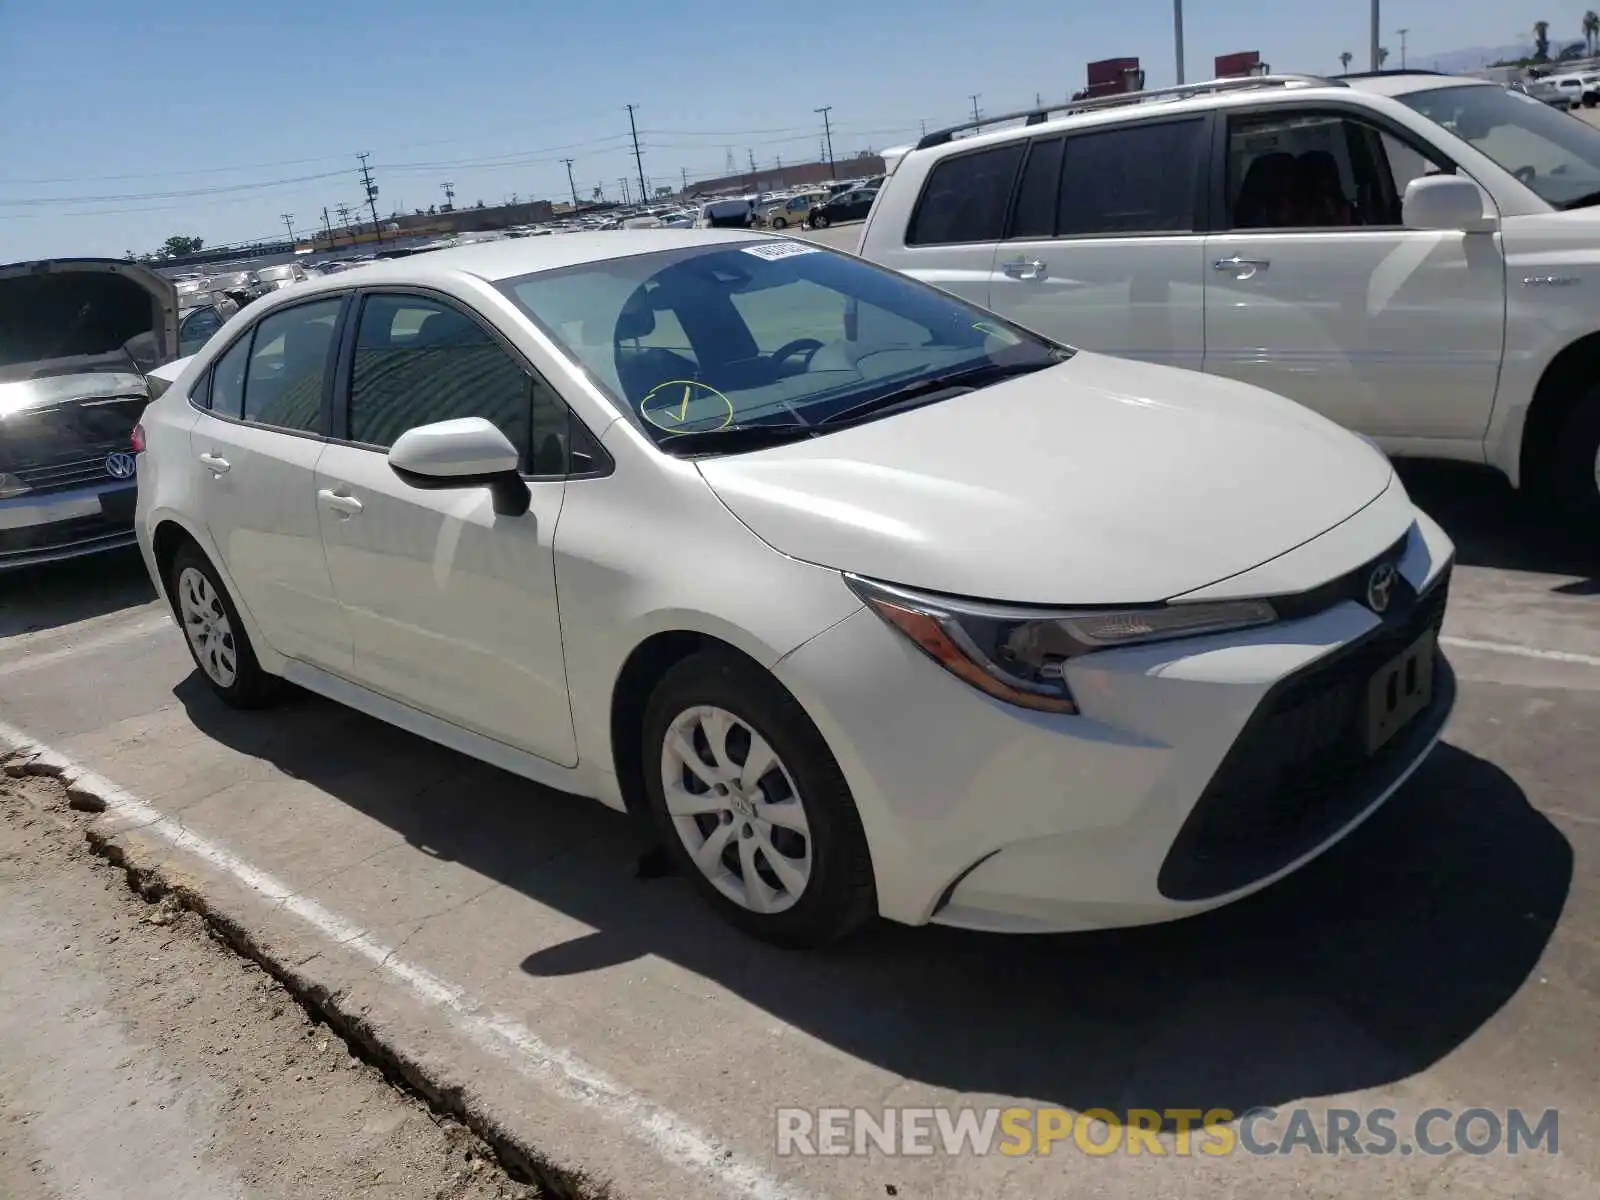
(11, 486)
(1019, 655)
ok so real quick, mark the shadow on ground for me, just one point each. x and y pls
(1366, 967)
(1494, 526)
(56, 594)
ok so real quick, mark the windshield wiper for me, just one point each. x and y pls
(956, 381)
(730, 439)
(1587, 200)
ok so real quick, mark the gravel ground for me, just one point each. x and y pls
(141, 1058)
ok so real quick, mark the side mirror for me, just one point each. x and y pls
(1447, 203)
(467, 452)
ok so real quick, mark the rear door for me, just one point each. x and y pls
(256, 446)
(959, 220)
(1104, 247)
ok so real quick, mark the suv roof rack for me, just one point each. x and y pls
(1387, 71)
(1038, 116)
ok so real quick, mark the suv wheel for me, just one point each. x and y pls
(217, 640)
(1572, 470)
(819, 220)
(752, 805)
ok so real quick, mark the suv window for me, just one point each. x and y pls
(1140, 178)
(1035, 215)
(965, 198)
(418, 361)
(1299, 170)
(288, 370)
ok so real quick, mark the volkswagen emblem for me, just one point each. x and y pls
(121, 465)
(1380, 587)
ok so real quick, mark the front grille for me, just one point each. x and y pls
(1300, 770)
(114, 520)
(66, 474)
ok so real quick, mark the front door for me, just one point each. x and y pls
(256, 449)
(1102, 250)
(452, 606)
(1317, 291)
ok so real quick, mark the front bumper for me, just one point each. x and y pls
(45, 527)
(1179, 787)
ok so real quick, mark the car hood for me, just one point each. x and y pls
(83, 316)
(1100, 481)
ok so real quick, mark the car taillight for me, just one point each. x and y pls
(138, 439)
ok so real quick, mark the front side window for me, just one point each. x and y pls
(419, 360)
(227, 380)
(1555, 155)
(777, 334)
(289, 362)
(965, 198)
(1316, 170)
(1140, 178)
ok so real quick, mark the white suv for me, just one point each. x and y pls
(1415, 256)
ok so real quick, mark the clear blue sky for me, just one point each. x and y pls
(251, 110)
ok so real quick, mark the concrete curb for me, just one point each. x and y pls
(372, 1031)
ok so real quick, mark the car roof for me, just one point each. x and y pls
(513, 257)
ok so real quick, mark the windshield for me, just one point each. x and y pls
(1553, 153)
(275, 272)
(722, 337)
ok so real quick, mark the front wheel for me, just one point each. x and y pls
(1571, 476)
(819, 220)
(752, 805)
(779, 223)
(217, 640)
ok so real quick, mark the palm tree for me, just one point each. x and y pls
(1591, 29)
(1541, 41)
(1383, 56)
(1344, 60)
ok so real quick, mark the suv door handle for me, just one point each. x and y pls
(1024, 268)
(340, 502)
(214, 463)
(1244, 266)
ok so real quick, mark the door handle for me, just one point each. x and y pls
(214, 463)
(1024, 268)
(340, 502)
(1244, 266)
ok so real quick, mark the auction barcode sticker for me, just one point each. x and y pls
(775, 250)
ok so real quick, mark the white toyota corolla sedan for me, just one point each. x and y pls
(866, 599)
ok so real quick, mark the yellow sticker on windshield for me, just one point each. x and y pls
(686, 406)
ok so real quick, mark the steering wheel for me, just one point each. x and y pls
(806, 346)
(1525, 175)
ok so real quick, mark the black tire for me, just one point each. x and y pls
(779, 223)
(1568, 478)
(839, 896)
(251, 687)
(819, 220)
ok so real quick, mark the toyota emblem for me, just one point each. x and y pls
(1380, 587)
(121, 465)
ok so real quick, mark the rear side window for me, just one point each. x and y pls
(1035, 215)
(1141, 178)
(966, 198)
(288, 371)
(227, 380)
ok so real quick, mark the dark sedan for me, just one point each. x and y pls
(850, 206)
(77, 339)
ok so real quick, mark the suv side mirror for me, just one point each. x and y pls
(466, 452)
(1448, 203)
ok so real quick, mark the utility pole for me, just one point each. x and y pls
(1177, 35)
(1376, 65)
(924, 128)
(622, 182)
(827, 132)
(1402, 33)
(976, 128)
(637, 161)
(570, 184)
(288, 223)
(449, 190)
(328, 225)
(344, 214)
(684, 171)
(752, 155)
(372, 195)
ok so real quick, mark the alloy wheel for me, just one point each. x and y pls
(735, 806)
(206, 624)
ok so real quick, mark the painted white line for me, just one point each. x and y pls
(554, 1067)
(1565, 656)
(112, 637)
